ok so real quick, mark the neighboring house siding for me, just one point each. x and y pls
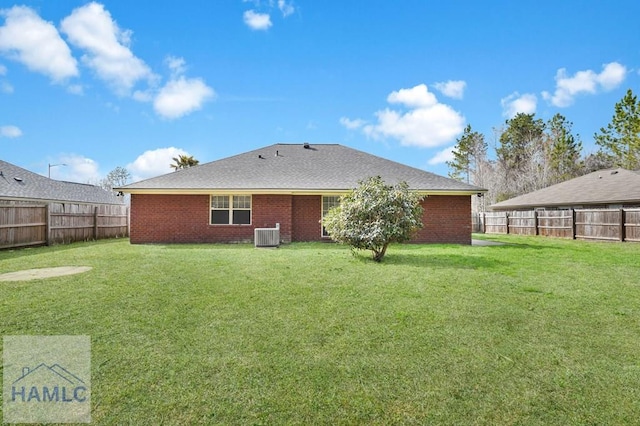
(185, 219)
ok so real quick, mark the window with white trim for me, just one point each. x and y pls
(231, 209)
(328, 202)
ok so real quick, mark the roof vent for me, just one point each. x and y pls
(260, 156)
(17, 179)
(306, 145)
(614, 172)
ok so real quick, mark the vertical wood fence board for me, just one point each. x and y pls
(632, 225)
(521, 222)
(22, 225)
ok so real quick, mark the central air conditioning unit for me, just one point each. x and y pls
(267, 237)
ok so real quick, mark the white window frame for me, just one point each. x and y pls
(334, 202)
(230, 203)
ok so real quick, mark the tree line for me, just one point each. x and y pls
(531, 154)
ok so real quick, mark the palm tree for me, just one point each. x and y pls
(184, 162)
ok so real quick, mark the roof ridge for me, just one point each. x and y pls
(302, 143)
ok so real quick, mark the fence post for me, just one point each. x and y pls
(47, 213)
(506, 220)
(622, 228)
(535, 222)
(573, 224)
(95, 223)
(484, 222)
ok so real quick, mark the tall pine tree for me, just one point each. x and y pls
(520, 156)
(563, 151)
(620, 140)
(520, 141)
(469, 152)
(183, 161)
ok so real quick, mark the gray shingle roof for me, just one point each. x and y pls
(295, 168)
(618, 186)
(17, 183)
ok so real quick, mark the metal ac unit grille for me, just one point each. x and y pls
(267, 237)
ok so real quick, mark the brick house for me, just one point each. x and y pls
(289, 184)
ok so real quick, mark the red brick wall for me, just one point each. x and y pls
(267, 210)
(185, 219)
(307, 211)
(447, 219)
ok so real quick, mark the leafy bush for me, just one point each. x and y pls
(374, 215)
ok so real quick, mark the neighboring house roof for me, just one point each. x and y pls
(617, 186)
(296, 168)
(20, 184)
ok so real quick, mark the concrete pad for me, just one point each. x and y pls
(35, 274)
(486, 243)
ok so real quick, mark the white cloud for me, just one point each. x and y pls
(588, 81)
(75, 89)
(10, 132)
(286, 8)
(352, 124)
(75, 168)
(181, 96)
(177, 66)
(452, 88)
(154, 163)
(612, 75)
(27, 38)
(257, 21)
(427, 123)
(442, 156)
(92, 29)
(262, 20)
(142, 95)
(416, 97)
(516, 103)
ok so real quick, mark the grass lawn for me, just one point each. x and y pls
(539, 331)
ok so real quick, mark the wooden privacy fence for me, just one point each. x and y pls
(594, 224)
(59, 223)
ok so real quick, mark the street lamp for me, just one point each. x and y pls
(54, 165)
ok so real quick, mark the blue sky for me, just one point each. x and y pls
(95, 85)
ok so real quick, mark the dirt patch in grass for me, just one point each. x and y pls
(36, 274)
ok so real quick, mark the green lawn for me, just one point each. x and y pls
(539, 331)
